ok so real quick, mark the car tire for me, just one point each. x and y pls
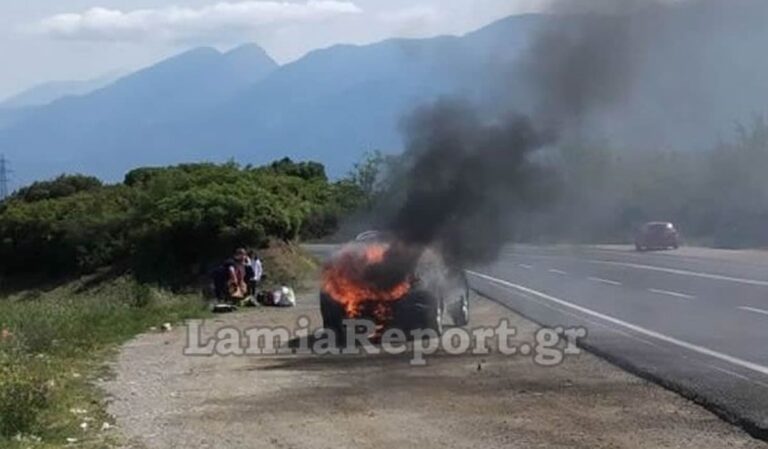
(461, 314)
(437, 321)
(458, 299)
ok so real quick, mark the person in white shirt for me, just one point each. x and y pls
(256, 271)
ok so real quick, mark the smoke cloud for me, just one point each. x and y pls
(470, 174)
(467, 178)
(594, 69)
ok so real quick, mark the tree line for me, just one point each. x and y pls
(167, 224)
(716, 196)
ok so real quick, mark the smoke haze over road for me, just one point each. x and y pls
(595, 71)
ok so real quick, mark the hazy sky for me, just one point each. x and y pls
(44, 40)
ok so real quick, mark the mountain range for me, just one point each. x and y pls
(332, 106)
(47, 93)
(690, 85)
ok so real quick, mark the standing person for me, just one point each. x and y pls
(256, 271)
(237, 283)
(229, 279)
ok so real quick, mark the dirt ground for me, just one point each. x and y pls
(161, 398)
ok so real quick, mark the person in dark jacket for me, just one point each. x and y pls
(230, 278)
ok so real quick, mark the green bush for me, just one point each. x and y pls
(60, 187)
(142, 296)
(167, 224)
(23, 397)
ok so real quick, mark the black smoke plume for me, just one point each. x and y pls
(471, 174)
(467, 178)
(472, 169)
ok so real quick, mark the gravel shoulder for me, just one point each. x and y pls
(161, 398)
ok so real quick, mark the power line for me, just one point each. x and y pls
(4, 171)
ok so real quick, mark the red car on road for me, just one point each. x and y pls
(657, 235)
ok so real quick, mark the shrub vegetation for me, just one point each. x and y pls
(167, 224)
(51, 348)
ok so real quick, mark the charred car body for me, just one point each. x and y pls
(374, 278)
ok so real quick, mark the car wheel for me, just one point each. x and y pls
(463, 316)
(438, 324)
(458, 300)
(432, 316)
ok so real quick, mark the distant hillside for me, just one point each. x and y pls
(332, 105)
(49, 92)
(337, 103)
(105, 131)
(10, 116)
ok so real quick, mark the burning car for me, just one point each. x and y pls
(394, 285)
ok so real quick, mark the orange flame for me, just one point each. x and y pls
(343, 280)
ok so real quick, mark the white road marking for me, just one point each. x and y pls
(729, 372)
(670, 293)
(739, 376)
(754, 310)
(650, 333)
(588, 320)
(683, 272)
(604, 281)
(556, 271)
(527, 267)
(630, 336)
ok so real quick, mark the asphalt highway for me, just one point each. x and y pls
(694, 320)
